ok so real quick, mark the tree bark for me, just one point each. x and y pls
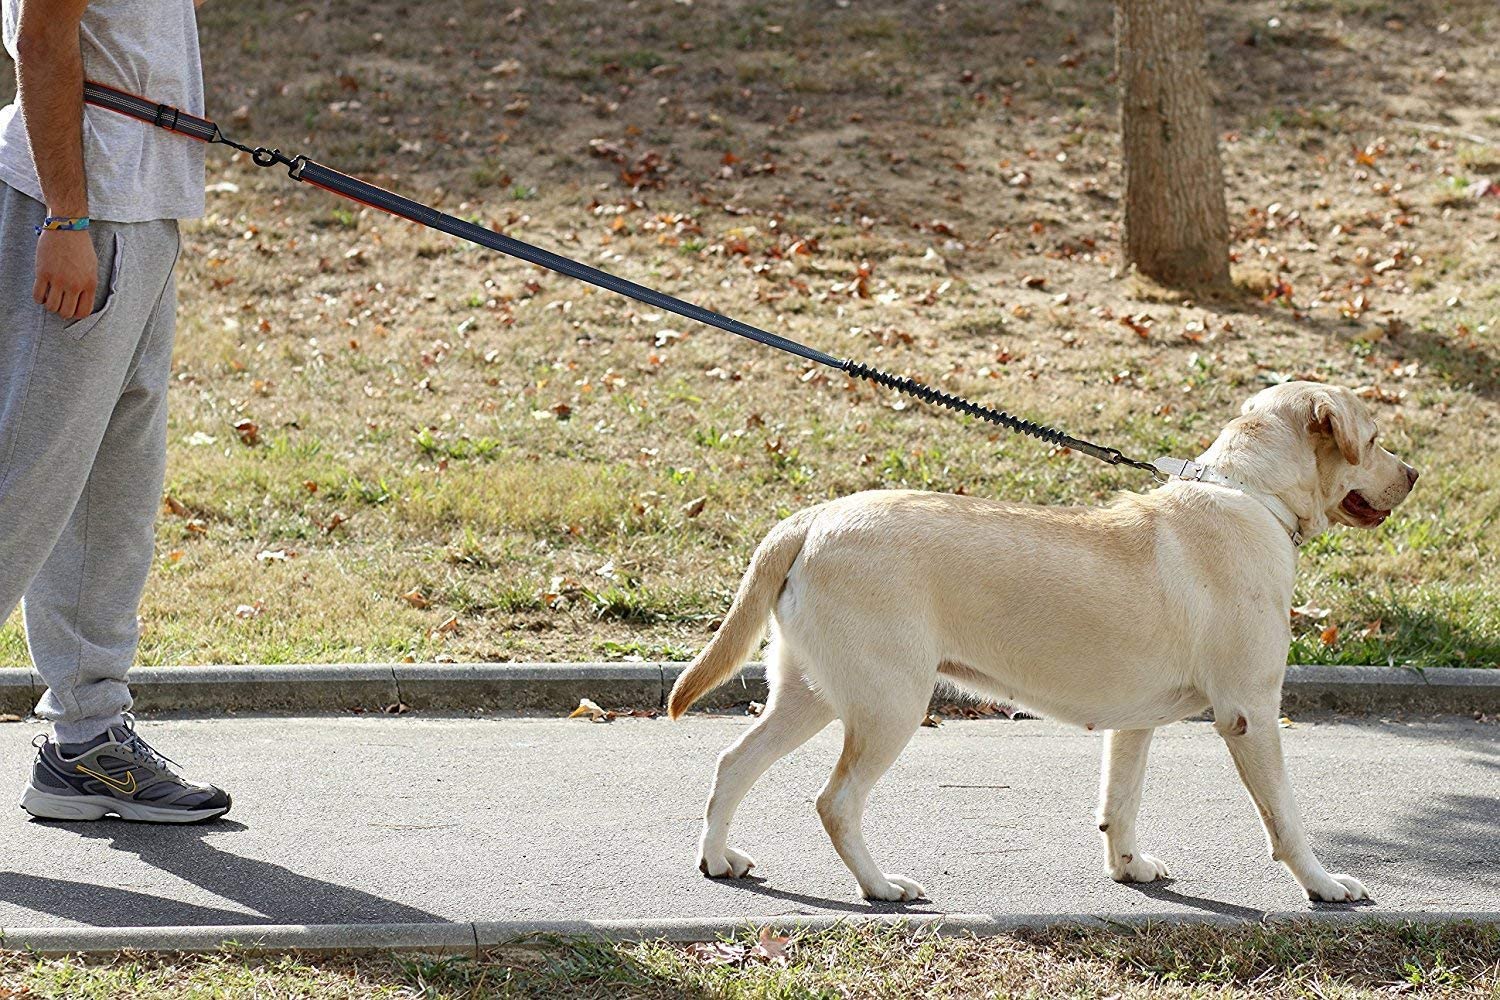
(1176, 223)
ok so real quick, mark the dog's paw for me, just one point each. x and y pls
(1337, 889)
(1138, 867)
(730, 864)
(894, 889)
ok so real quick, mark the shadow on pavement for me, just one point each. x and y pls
(757, 885)
(1450, 836)
(1161, 890)
(1444, 838)
(276, 895)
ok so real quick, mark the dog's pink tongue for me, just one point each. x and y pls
(1356, 504)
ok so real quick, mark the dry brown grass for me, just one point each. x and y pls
(519, 454)
(1361, 961)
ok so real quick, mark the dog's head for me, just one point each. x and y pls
(1341, 472)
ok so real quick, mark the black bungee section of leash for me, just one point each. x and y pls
(310, 171)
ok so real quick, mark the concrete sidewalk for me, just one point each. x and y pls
(419, 821)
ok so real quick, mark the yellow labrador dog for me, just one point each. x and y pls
(1123, 618)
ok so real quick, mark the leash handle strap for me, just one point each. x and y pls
(161, 115)
(310, 171)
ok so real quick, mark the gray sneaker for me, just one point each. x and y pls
(120, 776)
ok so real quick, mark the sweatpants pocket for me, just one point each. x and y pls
(78, 329)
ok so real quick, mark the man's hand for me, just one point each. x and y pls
(49, 78)
(67, 273)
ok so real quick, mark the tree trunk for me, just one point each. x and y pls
(1176, 224)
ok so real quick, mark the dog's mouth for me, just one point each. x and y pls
(1364, 513)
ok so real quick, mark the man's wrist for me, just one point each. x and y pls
(63, 223)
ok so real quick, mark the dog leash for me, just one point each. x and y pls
(309, 171)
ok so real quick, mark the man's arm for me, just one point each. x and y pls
(49, 76)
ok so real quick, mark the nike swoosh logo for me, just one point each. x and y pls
(127, 787)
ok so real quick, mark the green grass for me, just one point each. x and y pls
(1322, 961)
(1437, 625)
(484, 435)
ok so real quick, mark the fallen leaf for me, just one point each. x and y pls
(249, 432)
(590, 709)
(717, 952)
(7, 717)
(1141, 324)
(416, 598)
(248, 611)
(695, 507)
(1330, 635)
(771, 947)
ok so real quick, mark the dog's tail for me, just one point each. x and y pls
(745, 624)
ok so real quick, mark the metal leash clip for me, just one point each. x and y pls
(1177, 468)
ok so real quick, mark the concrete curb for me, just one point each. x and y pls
(557, 687)
(474, 937)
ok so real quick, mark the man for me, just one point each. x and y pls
(89, 203)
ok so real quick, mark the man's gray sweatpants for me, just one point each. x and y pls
(83, 425)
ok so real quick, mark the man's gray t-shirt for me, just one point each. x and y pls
(136, 173)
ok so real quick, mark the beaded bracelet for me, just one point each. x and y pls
(64, 223)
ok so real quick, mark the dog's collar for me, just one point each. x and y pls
(1181, 468)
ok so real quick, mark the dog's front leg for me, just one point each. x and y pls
(1123, 774)
(1254, 740)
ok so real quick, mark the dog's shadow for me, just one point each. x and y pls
(1162, 891)
(757, 885)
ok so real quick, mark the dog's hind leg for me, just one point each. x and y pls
(1124, 773)
(1251, 729)
(793, 715)
(872, 742)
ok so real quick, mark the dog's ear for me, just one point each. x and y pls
(1331, 417)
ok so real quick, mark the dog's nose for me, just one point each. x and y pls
(1411, 477)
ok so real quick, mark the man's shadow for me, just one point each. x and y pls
(274, 894)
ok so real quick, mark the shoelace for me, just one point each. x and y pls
(144, 751)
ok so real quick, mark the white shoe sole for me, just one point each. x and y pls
(45, 805)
